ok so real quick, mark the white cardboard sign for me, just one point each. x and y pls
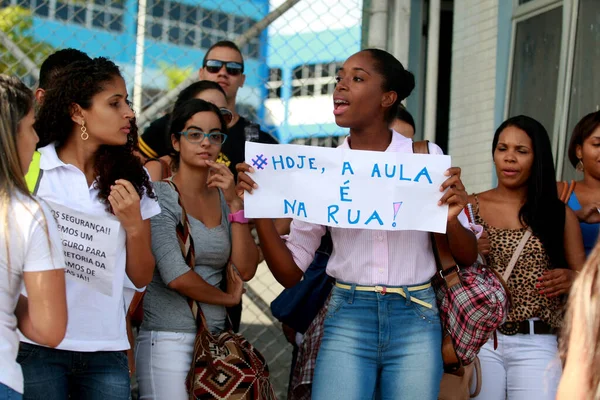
(90, 245)
(347, 188)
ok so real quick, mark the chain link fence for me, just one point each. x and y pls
(291, 48)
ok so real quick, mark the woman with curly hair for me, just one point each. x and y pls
(102, 199)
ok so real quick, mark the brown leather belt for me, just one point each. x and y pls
(539, 328)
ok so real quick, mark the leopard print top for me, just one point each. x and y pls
(527, 302)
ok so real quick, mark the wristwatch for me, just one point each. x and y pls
(238, 217)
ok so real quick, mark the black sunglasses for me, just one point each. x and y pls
(232, 67)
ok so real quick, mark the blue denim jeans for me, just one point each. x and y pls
(52, 374)
(379, 343)
(7, 393)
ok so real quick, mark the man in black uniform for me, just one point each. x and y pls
(224, 64)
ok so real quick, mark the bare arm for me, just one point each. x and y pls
(573, 240)
(154, 168)
(42, 316)
(125, 203)
(463, 243)
(193, 286)
(140, 261)
(558, 281)
(244, 253)
(282, 225)
(277, 255)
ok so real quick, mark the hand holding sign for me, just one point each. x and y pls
(125, 203)
(245, 183)
(349, 188)
(455, 196)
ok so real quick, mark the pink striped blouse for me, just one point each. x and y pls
(370, 257)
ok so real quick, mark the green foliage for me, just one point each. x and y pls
(16, 23)
(174, 75)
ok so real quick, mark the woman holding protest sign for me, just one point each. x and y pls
(30, 250)
(531, 231)
(372, 341)
(102, 198)
(217, 232)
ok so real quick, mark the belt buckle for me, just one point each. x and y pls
(509, 328)
(381, 290)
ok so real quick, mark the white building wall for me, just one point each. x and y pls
(472, 90)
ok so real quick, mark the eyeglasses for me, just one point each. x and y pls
(227, 115)
(197, 136)
(232, 67)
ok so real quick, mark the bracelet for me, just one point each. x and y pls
(237, 217)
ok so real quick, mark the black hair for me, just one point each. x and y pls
(395, 78)
(181, 115)
(156, 140)
(78, 84)
(584, 128)
(56, 62)
(403, 115)
(224, 43)
(196, 88)
(543, 211)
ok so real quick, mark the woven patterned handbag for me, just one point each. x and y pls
(226, 366)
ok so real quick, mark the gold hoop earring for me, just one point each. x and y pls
(579, 166)
(84, 134)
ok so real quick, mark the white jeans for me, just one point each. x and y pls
(523, 367)
(163, 360)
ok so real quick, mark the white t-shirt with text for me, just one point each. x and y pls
(96, 307)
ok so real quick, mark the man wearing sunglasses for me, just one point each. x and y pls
(224, 64)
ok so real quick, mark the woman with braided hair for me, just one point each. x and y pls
(103, 199)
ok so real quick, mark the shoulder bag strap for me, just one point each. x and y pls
(186, 243)
(421, 147)
(516, 255)
(570, 191)
(448, 270)
(447, 267)
(566, 191)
